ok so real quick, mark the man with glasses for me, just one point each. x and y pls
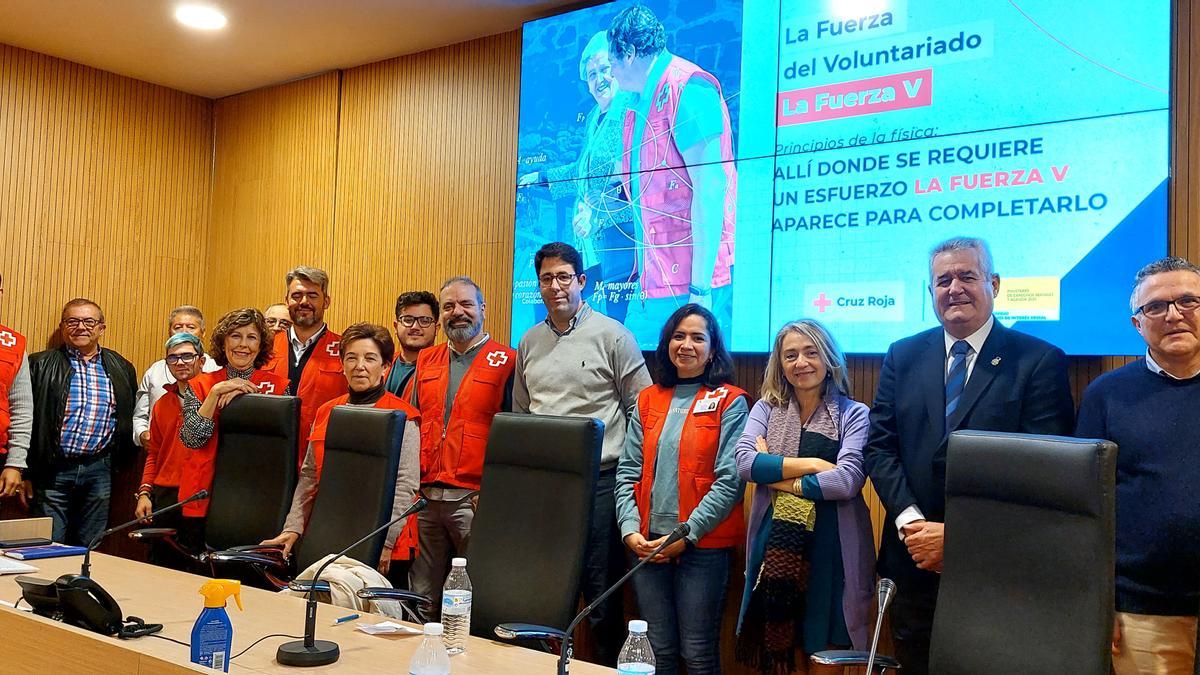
(1148, 408)
(16, 412)
(605, 385)
(183, 319)
(416, 328)
(82, 424)
(277, 318)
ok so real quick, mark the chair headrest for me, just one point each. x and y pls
(367, 431)
(260, 414)
(536, 441)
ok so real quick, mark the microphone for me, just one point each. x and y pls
(564, 656)
(883, 593)
(313, 652)
(87, 556)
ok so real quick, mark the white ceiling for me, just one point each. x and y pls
(265, 41)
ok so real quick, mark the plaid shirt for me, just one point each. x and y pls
(91, 415)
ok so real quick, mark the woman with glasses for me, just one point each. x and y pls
(241, 344)
(810, 555)
(165, 454)
(678, 467)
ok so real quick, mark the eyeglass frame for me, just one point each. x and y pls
(1166, 307)
(184, 357)
(410, 320)
(563, 279)
(87, 322)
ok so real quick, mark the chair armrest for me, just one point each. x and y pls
(844, 658)
(274, 562)
(304, 586)
(267, 549)
(382, 593)
(529, 631)
(147, 534)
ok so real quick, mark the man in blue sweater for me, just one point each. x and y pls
(1149, 409)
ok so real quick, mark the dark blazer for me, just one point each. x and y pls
(50, 372)
(1019, 383)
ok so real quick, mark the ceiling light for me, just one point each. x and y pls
(201, 17)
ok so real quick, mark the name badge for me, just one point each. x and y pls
(705, 405)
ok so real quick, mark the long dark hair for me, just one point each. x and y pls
(719, 369)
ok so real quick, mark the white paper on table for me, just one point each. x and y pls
(388, 628)
(11, 566)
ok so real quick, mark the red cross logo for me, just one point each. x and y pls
(266, 387)
(497, 358)
(716, 394)
(7, 339)
(334, 349)
(821, 303)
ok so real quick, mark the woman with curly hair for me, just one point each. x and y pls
(241, 344)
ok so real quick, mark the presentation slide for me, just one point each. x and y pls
(780, 160)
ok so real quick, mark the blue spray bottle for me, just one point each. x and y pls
(212, 635)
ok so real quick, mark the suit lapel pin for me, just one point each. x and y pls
(996, 361)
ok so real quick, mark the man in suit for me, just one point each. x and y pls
(970, 373)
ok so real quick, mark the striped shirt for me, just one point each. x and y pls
(91, 414)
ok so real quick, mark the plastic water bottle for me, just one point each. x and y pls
(636, 656)
(431, 657)
(456, 607)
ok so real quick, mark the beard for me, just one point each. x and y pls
(464, 333)
(307, 321)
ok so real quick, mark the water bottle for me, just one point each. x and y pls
(431, 657)
(636, 656)
(456, 607)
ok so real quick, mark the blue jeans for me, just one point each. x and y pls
(76, 497)
(682, 603)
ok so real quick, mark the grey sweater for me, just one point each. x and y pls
(595, 369)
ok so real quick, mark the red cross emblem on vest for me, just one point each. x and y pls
(497, 358)
(7, 339)
(711, 401)
(266, 387)
(334, 349)
(716, 394)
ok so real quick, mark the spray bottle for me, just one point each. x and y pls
(212, 635)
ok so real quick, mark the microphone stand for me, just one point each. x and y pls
(884, 592)
(313, 652)
(564, 657)
(85, 570)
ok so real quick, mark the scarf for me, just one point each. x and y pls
(773, 624)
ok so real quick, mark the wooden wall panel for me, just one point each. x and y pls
(273, 191)
(425, 178)
(104, 186)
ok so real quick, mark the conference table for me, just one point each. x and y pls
(160, 595)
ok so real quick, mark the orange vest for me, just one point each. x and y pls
(321, 380)
(12, 352)
(165, 453)
(698, 445)
(452, 453)
(406, 543)
(198, 467)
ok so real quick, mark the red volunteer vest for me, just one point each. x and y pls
(165, 453)
(664, 193)
(12, 351)
(698, 445)
(406, 544)
(453, 453)
(198, 467)
(321, 380)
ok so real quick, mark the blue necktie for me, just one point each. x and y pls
(957, 378)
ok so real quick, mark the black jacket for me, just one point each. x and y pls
(1019, 384)
(50, 372)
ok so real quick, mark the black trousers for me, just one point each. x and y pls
(912, 624)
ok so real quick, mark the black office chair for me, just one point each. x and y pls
(357, 488)
(254, 475)
(1027, 585)
(530, 530)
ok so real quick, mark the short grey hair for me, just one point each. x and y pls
(463, 279)
(1168, 264)
(979, 246)
(598, 44)
(310, 274)
(185, 309)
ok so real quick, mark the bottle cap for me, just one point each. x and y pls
(217, 591)
(637, 626)
(458, 562)
(433, 629)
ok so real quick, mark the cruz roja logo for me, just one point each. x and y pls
(881, 301)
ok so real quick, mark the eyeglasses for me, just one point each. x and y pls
(408, 320)
(185, 359)
(562, 279)
(1156, 309)
(278, 323)
(76, 323)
